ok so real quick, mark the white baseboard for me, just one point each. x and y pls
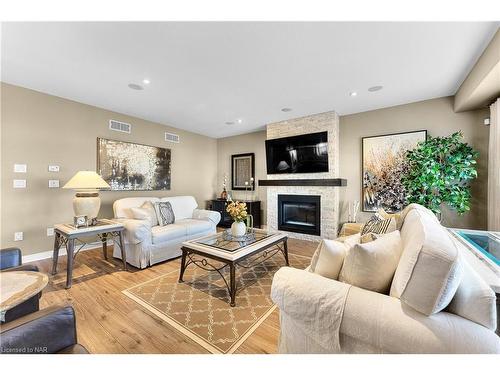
(62, 251)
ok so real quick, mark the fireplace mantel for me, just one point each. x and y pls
(305, 182)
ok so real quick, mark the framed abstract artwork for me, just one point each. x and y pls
(242, 171)
(133, 166)
(384, 162)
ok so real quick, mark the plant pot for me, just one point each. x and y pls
(238, 229)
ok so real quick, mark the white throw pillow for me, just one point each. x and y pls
(351, 240)
(474, 300)
(430, 269)
(372, 265)
(328, 258)
(145, 212)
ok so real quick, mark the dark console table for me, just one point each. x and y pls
(219, 205)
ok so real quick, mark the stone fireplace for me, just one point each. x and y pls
(311, 199)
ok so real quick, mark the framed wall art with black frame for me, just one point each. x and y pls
(242, 171)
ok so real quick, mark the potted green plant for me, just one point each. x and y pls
(439, 172)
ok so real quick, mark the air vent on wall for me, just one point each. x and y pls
(120, 126)
(170, 137)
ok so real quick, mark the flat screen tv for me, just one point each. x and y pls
(306, 153)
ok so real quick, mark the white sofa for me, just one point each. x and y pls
(146, 245)
(370, 322)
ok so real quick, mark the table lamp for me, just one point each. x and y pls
(87, 185)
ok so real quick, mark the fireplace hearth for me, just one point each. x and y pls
(299, 213)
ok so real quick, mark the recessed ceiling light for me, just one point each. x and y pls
(146, 81)
(240, 121)
(375, 88)
(135, 86)
(229, 122)
(353, 93)
(286, 110)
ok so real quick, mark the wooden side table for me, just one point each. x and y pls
(67, 234)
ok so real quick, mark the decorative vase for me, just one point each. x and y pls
(238, 229)
(223, 195)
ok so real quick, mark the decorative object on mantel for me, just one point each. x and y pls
(384, 164)
(132, 166)
(352, 211)
(242, 171)
(238, 211)
(249, 186)
(86, 201)
(223, 195)
(439, 172)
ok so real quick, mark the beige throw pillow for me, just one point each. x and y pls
(328, 258)
(430, 269)
(145, 212)
(352, 239)
(369, 237)
(474, 299)
(372, 265)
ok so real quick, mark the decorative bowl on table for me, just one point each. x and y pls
(248, 236)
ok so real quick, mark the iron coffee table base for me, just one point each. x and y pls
(190, 256)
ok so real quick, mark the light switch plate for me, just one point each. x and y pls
(18, 236)
(19, 184)
(20, 168)
(53, 183)
(53, 168)
(50, 232)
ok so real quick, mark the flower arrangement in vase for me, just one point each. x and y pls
(238, 212)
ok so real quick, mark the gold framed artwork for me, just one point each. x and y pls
(383, 163)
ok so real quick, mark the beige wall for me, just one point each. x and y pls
(241, 144)
(39, 129)
(439, 119)
(436, 116)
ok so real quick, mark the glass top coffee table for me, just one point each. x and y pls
(229, 252)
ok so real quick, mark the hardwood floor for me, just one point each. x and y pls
(110, 322)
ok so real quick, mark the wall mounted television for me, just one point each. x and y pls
(307, 153)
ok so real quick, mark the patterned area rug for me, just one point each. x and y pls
(199, 307)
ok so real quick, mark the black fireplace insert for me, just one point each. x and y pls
(300, 214)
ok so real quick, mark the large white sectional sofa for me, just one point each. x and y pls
(437, 303)
(146, 245)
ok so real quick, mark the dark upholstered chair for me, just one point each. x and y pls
(48, 331)
(11, 260)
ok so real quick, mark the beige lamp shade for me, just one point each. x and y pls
(86, 201)
(86, 180)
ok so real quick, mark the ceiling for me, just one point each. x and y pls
(204, 74)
